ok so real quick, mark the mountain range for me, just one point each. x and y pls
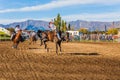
(95, 25)
(43, 25)
(28, 25)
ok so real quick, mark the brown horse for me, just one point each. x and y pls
(17, 39)
(51, 36)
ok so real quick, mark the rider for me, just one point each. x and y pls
(53, 28)
(17, 28)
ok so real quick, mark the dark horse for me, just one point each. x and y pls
(39, 34)
(17, 39)
(50, 36)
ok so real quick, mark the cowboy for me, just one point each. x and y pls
(16, 36)
(17, 28)
(53, 28)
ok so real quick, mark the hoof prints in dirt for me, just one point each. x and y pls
(77, 53)
(34, 48)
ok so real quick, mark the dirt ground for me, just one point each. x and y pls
(78, 61)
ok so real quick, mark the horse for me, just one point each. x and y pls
(51, 36)
(17, 39)
(39, 34)
(33, 38)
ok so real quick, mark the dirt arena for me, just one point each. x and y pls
(78, 61)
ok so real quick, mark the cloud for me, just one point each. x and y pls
(58, 4)
(114, 16)
(7, 21)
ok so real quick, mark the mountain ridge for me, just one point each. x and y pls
(40, 24)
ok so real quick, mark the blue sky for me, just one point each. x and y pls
(70, 10)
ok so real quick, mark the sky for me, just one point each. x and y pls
(70, 10)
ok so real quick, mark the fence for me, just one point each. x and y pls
(4, 37)
(95, 38)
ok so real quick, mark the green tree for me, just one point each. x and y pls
(83, 30)
(63, 24)
(60, 24)
(57, 22)
(112, 31)
(69, 27)
(64, 27)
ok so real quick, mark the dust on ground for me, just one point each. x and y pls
(78, 61)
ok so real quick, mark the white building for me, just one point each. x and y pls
(73, 33)
(5, 31)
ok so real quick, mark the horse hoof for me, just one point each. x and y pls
(13, 47)
(57, 53)
(47, 49)
(60, 53)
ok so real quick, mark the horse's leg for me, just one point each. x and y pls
(16, 44)
(30, 42)
(60, 46)
(13, 46)
(33, 42)
(41, 42)
(67, 40)
(56, 48)
(59, 43)
(45, 44)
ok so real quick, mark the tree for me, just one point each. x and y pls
(64, 27)
(83, 30)
(69, 27)
(60, 24)
(112, 31)
(11, 29)
(57, 22)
